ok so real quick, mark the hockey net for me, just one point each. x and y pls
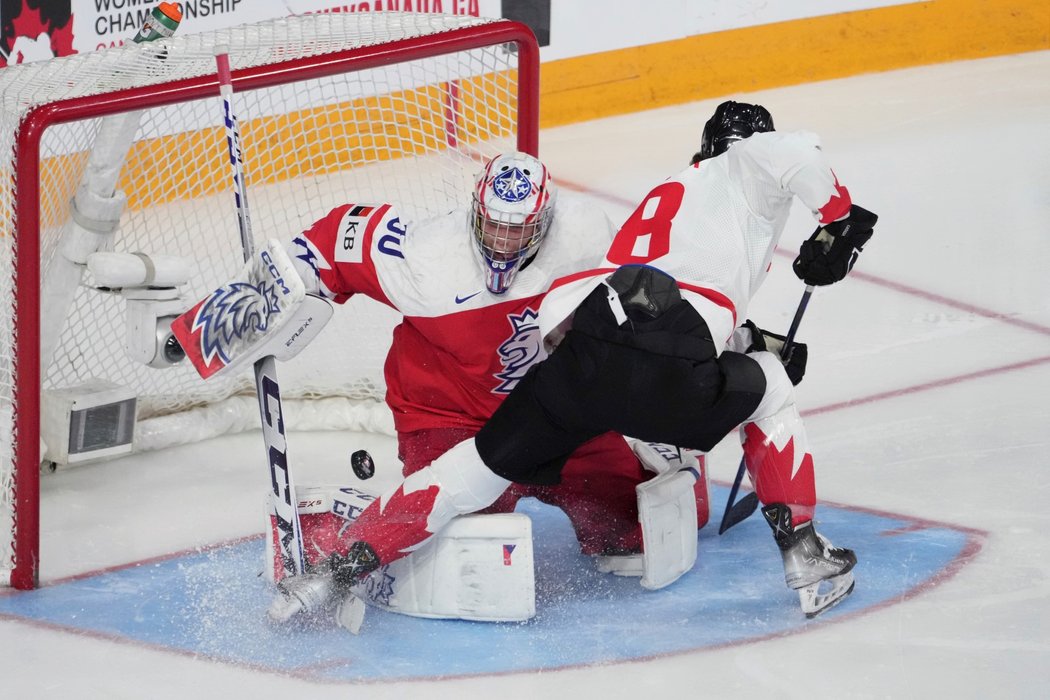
(334, 108)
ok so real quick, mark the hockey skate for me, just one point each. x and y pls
(319, 589)
(298, 596)
(821, 573)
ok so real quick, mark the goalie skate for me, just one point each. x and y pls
(822, 574)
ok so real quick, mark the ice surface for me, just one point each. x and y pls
(925, 397)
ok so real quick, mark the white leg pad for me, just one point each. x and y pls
(479, 567)
(667, 512)
(620, 564)
(658, 457)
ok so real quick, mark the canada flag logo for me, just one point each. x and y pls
(36, 33)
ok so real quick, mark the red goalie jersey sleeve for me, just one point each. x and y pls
(334, 256)
(459, 349)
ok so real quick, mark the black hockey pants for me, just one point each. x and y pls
(653, 381)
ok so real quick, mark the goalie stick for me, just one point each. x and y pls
(739, 511)
(289, 535)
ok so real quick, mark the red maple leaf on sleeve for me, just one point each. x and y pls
(837, 206)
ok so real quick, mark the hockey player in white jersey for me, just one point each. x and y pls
(469, 285)
(647, 346)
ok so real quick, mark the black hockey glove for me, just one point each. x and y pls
(828, 255)
(359, 562)
(794, 363)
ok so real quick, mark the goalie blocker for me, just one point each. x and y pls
(480, 567)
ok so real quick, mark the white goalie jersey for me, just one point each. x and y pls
(460, 349)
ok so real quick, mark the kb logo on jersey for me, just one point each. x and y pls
(512, 185)
(352, 227)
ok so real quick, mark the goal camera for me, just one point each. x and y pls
(150, 285)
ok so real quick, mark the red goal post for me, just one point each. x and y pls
(335, 107)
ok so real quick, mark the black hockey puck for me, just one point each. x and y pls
(362, 464)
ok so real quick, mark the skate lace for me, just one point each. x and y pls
(829, 551)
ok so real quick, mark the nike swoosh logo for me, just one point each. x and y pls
(460, 300)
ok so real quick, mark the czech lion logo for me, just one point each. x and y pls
(520, 351)
(379, 587)
(232, 313)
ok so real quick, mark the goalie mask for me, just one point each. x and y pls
(731, 122)
(512, 210)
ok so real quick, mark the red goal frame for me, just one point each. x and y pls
(26, 305)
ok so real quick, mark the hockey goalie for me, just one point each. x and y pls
(469, 285)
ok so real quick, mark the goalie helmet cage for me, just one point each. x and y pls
(334, 108)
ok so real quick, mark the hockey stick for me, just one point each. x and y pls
(739, 511)
(283, 505)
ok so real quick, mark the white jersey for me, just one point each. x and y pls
(459, 349)
(714, 227)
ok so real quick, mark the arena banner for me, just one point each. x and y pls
(39, 29)
(605, 57)
(33, 30)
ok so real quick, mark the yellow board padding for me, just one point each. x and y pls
(307, 142)
(788, 53)
(325, 140)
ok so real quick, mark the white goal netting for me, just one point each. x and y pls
(334, 108)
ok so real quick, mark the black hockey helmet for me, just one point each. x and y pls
(731, 122)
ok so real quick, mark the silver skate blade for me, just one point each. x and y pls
(283, 608)
(350, 613)
(814, 601)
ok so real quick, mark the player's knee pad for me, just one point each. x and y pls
(466, 483)
(458, 483)
(779, 392)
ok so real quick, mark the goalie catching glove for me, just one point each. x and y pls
(829, 254)
(265, 310)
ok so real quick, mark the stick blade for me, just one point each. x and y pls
(739, 512)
